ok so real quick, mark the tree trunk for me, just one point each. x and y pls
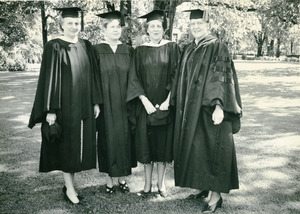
(170, 6)
(292, 45)
(172, 11)
(110, 6)
(44, 23)
(278, 48)
(259, 49)
(270, 51)
(125, 8)
(260, 39)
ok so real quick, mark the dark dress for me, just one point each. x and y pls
(204, 153)
(115, 154)
(152, 74)
(68, 87)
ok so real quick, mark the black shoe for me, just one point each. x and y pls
(203, 194)
(163, 193)
(124, 187)
(64, 190)
(67, 197)
(110, 190)
(214, 207)
(143, 193)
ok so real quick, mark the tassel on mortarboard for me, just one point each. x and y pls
(206, 16)
(82, 21)
(165, 23)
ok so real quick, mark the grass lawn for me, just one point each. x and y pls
(268, 148)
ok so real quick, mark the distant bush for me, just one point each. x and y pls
(244, 56)
(3, 59)
(16, 65)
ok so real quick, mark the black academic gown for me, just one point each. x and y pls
(69, 87)
(204, 153)
(152, 74)
(115, 145)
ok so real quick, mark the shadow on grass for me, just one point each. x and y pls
(267, 150)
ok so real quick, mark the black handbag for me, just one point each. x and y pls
(159, 118)
(51, 133)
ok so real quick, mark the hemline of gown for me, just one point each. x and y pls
(205, 188)
(67, 171)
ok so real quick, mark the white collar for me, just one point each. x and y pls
(69, 40)
(105, 42)
(161, 43)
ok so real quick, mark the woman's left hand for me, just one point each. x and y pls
(165, 105)
(218, 115)
(96, 110)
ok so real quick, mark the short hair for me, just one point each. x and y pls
(60, 21)
(107, 21)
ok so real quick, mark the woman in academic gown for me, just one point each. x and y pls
(150, 81)
(67, 97)
(114, 136)
(208, 111)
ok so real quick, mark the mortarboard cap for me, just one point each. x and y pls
(198, 14)
(71, 12)
(113, 15)
(156, 15)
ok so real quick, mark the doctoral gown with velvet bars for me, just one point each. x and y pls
(152, 74)
(116, 154)
(204, 153)
(69, 87)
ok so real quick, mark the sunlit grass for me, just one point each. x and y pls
(268, 148)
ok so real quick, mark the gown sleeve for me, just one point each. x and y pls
(97, 96)
(47, 98)
(221, 83)
(176, 78)
(135, 87)
(173, 62)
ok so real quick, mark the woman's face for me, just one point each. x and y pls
(113, 30)
(199, 28)
(70, 26)
(155, 30)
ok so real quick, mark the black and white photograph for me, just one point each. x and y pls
(150, 106)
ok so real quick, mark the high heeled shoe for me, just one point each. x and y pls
(203, 194)
(144, 194)
(110, 190)
(64, 190)
(212, 208)
(67, 197)
(162, 193)
(124, 187)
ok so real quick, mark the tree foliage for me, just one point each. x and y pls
(264, 25)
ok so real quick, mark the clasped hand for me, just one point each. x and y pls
(218, 115)
(50, 118)
(164, 106)
(148, 105)
(151, 109)
(96, 110)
